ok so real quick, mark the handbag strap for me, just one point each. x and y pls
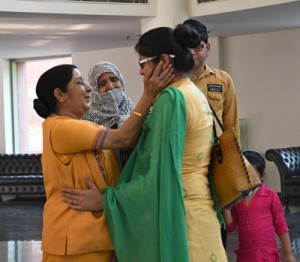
(216, 117)
(219, 153)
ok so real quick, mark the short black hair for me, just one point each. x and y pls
(256, 160)
(199, 27)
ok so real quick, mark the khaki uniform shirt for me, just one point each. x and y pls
(219, 89)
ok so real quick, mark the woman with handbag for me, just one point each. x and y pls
(161, 208)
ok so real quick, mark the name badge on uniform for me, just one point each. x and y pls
(214, 88)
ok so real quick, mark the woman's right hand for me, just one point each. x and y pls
(83, 200)
(155, 82)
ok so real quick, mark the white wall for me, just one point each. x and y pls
(265, 69)
(214, 56)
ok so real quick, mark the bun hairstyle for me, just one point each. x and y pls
(56, 77)
(165, 40)
(186, 36)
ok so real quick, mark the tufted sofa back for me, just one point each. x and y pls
(20, 164)
(287, 161)
(21, 175)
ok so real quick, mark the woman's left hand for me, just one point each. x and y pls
(83, 200)
(155, 82)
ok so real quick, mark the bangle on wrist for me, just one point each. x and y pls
(138, 115)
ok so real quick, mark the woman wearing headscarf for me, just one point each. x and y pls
(110, 105)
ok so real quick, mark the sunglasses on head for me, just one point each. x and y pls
(143, 61)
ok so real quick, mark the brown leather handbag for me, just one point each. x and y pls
(232, 177)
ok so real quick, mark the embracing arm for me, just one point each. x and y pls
(84, 200)
(127, 135)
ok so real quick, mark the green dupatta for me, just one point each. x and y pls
(145, 211)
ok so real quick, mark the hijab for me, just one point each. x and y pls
(112, 108)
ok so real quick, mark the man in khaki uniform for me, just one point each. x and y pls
(216, 84)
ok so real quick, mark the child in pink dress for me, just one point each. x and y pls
(257, 218)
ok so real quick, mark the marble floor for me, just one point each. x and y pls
(21, 226)
(20, 231)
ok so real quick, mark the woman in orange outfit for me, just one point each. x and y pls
(73, 149)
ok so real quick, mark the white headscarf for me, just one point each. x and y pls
(110, 108)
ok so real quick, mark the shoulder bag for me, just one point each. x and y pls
(232, 177)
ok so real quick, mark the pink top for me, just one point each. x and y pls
(256, 226)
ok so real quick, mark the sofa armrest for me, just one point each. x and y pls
(287, 161)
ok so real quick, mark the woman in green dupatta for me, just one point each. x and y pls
(161, 208)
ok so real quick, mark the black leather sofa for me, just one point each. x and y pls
(287, 161)
(21, 175)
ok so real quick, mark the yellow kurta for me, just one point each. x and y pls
(67, 158)
(203, 229)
